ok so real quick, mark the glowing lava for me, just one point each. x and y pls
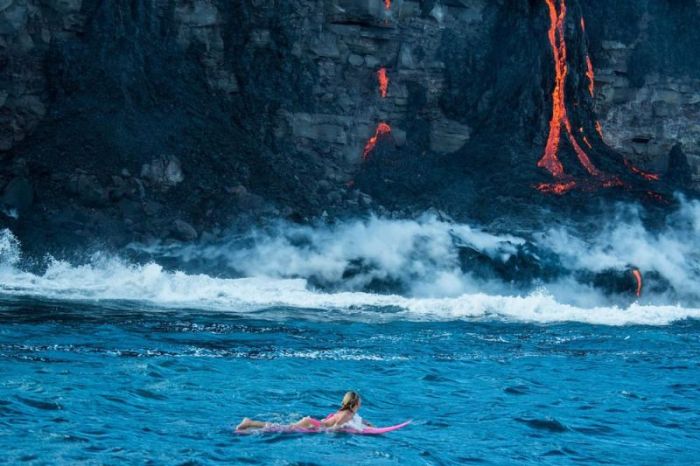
(550, 160)
(599, 128)
(591, 75)
(644, 174)
(387, 5)
(560, 121)
(638, 278)
(612, 182)
(656, 197)
(383, 82)
(382, 129)
(589, 65)
(559, 189)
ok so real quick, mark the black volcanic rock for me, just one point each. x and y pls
(18, 196)
(678, 168)
(131, 115)
(184, 231)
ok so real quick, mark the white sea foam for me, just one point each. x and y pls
(112, 279)
(421, 258)
(423, 255)
(672, 251)
(419, 254)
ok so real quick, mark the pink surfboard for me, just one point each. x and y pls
(300, 430)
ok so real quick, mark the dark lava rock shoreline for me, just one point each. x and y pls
(146, 120)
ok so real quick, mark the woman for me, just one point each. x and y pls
(345, 417)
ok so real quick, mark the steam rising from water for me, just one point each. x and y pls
(673, 252)
(418, 257)
(425, 269)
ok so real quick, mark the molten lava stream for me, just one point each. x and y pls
(638, 278)
(644, 174)
(656, 197)
(383, 79)
(589, 65)
(387, 5)
(382, 128)
(591, 75)
(559, 188)
(550, 160)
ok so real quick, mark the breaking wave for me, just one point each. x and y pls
(425, 269)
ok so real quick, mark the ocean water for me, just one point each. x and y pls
(118, 382)
(152, 356)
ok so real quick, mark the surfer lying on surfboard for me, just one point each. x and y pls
(345, 417)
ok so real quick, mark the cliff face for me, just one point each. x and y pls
(649, 99)
(149, 118)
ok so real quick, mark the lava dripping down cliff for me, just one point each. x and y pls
(145, 113)
(561, 121)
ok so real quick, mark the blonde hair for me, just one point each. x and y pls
(350, 401)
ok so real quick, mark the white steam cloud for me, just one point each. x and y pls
(420, 255)
(672, 251)
(419, 266)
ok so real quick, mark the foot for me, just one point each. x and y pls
(245, 423)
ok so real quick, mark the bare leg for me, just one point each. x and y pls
(248, 423)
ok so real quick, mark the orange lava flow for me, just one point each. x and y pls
(638, 277)
(656, 197)
(591, 75)
(383, 82)
(588, 143)
(599, 128)
(589, 65)
(556, 188)
(382, 128)
(644, 174)
(612, 182)
(550, 160)
(387, 4)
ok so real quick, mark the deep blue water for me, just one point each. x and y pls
(117, 383)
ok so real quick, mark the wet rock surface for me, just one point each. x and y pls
(649, 85)
(126, 121)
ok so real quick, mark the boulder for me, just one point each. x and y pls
(355, 60)
(447, 136)
(89, 190)
(165, 171)
(249, 202)
(326, 45)
(184, 231)
(323, 128)
(680, 170)
(18, 195)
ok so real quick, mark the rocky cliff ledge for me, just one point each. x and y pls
(129, 120)
(649, 99)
